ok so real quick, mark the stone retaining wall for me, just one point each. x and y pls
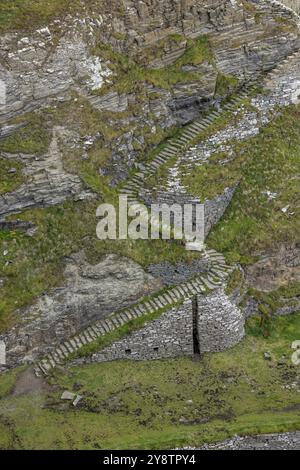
(220, 326)
(170, 335)
(213, 208)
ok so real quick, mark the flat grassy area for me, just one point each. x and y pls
(162, 404)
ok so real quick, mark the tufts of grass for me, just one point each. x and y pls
(235, 281)
(30, 14)
(33, 138)
(131, 74)
(225, 84)
(34, 265)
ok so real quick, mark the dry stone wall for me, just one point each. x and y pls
(219, 326)
(213, 208)
(170, 335)
(220, 322)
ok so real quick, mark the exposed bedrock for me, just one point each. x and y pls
(89, 293)
(283, 441)
(51, 61)
(45, 64)
(275, 269)
(46, 181)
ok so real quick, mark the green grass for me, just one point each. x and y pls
(11, 176)
(235, 281)
(196, 180)
(225, 84)
(196, 51)
(144, 405)
(269, 161)
(17, 14)
(30, 14)
(270, 302)
(33, 138)
(210, 179)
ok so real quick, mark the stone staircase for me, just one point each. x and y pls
(174, 147)
(215, 278)
(179, 144)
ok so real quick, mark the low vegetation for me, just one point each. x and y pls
(33, 265)
(16, 14)
(267, 162)
(131, 73)
(33, 138)
(30, 14)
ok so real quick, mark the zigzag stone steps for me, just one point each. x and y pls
(167, 298)
(175, 145)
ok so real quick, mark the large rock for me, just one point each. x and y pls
(89, 293)
(46, 181)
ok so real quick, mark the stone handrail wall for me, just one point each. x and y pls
(213, 208)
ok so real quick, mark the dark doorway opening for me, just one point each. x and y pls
(196, 342)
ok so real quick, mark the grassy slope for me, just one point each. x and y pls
(270, 161)
(15, 14)
(36, 263)
(144, 405)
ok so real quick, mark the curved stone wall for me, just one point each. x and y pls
(220, 322)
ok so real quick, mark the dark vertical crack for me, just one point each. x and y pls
(196, 342)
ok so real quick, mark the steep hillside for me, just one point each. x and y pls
(160, 100)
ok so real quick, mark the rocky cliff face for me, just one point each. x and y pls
(167, 77)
